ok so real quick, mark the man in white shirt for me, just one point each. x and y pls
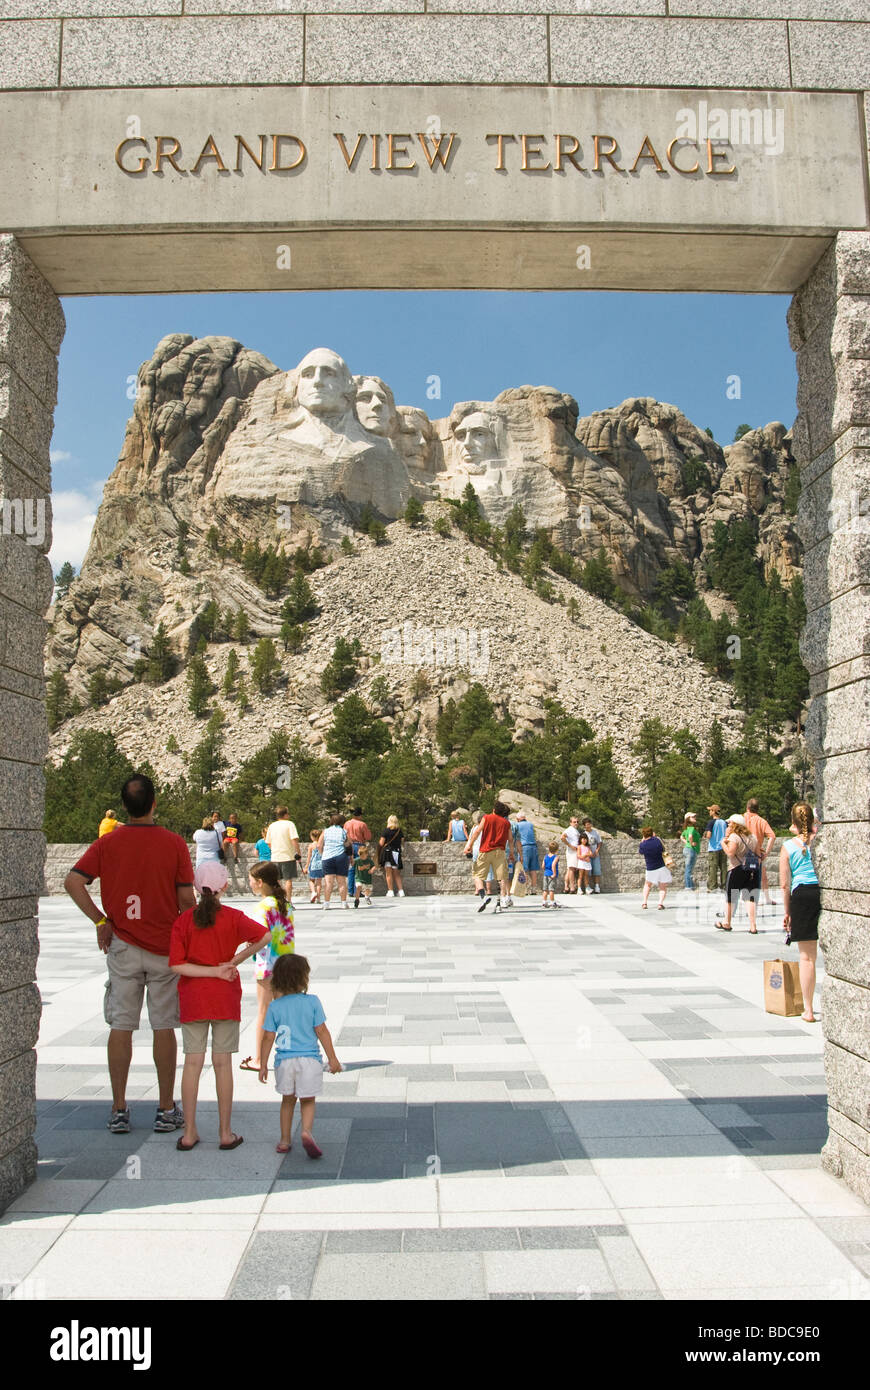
(594, 838)
(282, 837)
(571, 839)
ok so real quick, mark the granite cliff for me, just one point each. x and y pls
(224, 443)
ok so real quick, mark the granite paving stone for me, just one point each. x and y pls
(459, 1160)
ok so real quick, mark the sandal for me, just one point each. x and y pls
(248, 1065)
(282, 1148)
(236, 1141)
(311, 1148)
(721, 926)
(809, 1020)
(185, 1148)
(753, 931)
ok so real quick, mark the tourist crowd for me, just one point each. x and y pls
(165, 930)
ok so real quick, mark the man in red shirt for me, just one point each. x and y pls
(494, 831)
(358, 833)
(765, 837)
(146, 880)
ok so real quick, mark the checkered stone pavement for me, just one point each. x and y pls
(589, 1104)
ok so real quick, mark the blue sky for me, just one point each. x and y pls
(599, 347)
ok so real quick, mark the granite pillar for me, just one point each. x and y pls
(829, 324)
(31, 329)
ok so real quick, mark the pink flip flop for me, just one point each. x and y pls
(311, 1148)
(283, 1148)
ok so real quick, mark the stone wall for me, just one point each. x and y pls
(830, 332)
(31, 329)
(818, 45)
(621, 867)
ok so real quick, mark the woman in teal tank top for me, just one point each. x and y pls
(801, 898)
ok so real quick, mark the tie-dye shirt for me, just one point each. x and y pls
(280, 924)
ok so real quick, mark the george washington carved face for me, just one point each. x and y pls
(324, 385)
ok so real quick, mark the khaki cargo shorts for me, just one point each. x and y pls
(494, 859)
(131, 972)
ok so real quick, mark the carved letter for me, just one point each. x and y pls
(530, 153)
(121, 151)
(442, 156)
(160, 154)
(567, 154)
(671, 160)
(210, 151)
(395, 151)
(275, 167)
(376, 151)
(646, 151)
(243, 145)
(606, 154)
(712, 156)
(349, 158)
(501, 139)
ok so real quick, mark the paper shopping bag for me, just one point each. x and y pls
(782, 988)
(520, 882)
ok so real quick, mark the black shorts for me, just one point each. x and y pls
(805, 906)
(742, 883)
(286, 868)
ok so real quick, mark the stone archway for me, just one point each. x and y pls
(81, 216)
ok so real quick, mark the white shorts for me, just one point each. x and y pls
(571, 859)
(660, 876)
(299, 1076)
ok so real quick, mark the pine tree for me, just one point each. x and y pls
(242, 694)
(265, 666)
(207, 760)
(209, 619)
(340, 671)
(98, 689)
(231, 672)
(241, 626)
(56, 700)
(64, 577)
(596, 576)
(414, 513)
(199, 686)
(716, 751)
(161, 661)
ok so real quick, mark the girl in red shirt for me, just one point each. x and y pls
(203, 953)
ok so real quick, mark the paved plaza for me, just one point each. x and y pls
(583, 1104)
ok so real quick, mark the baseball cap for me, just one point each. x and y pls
(211, 874)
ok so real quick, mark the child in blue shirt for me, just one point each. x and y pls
(551, 874)
(294, 1022)
(264, 853)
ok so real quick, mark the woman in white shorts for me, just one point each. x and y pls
(657, 872)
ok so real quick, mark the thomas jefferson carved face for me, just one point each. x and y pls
(324, 385)
(375, 406)
(476, 439)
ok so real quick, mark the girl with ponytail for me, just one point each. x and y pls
(276, 914)
(801, 896)
(204, 953)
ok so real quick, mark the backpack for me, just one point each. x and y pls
(751, 861)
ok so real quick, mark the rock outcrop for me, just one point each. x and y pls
(223, 440)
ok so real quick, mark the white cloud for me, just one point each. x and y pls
(73, 517)
(59, 456)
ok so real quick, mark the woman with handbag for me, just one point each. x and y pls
(744, 871)
(209, 844)
(390, 857)
(657, 871)
(801, 899)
